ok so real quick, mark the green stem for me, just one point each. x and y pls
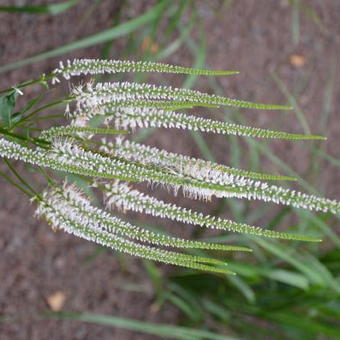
(57, 102)
(42, 79)
(20, 178)
(60, 115)
(12, 134)
(9, 180)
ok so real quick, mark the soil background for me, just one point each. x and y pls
(252, 36)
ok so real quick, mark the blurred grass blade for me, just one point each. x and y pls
(168, 331)
(106, 35)
(289, 277)
(53, 9)
(307, 323)
(177, 43)
(244, 288)
(295, 21)
(176, 18)
(291, 256)
(293, 102)
(155, 276)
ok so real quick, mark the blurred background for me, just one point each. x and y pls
(54, 286)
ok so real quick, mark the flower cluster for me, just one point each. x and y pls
(204, 169)
(68, 209)
(92, 96)
(143, 117)
(220, 183)
(79, 67)
(124, 198)
(129, 105)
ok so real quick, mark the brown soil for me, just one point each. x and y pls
(251, 36)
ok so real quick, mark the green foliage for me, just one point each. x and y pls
(161, 330)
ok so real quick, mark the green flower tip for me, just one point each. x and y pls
(315, 239)
(221, 269)
(281, 178)
(305, 238)
(249, 250)
(314, 137)
(227, 73)
(281, 107)
(287, 178)
(291, 136)
(228, 272)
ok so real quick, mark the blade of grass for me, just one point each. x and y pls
(292, 102)
(301, 263)
(295, 21)
(53, 9)
(168, 331)
(175, 19)
(106, 35)
(309, 324)
(10, 181)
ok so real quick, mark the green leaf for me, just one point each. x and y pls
(53, 9)
(289, 277)
(306, 265)
(7, 104)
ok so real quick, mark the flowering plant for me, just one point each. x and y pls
(109, 164)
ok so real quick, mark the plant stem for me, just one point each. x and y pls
(9, 180)
(21, 179)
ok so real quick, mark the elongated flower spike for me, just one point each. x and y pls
(79, 67)
(95, 95)
(229, 182)
(148, 155)
(128, 105)
(141, 117)
(123, 197)
(67, 156)
(106, 109)
(68, 209)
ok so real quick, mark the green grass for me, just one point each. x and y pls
(161, 330)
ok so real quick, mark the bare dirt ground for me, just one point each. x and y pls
(251, 36)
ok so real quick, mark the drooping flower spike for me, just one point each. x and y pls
(66, 155)
(68, 209)
(149, 155)
(137, 117)
(156, 105)
(79, 67)
(121, 196)
(75, 149)
(91, 96)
